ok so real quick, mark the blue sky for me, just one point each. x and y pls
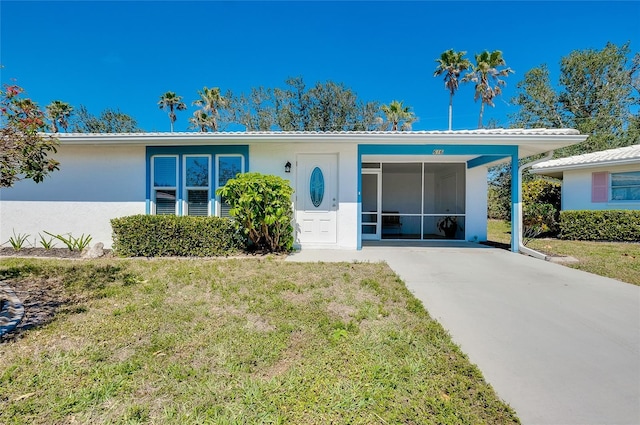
(125, 54)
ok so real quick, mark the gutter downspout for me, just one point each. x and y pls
(523, 249)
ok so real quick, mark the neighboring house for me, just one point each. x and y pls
(349, 186)
(606, 180)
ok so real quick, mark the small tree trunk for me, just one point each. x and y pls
(450, 110)
(481, 114)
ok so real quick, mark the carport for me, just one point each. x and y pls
(433, 185)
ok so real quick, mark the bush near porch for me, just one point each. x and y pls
(604, 225)
(168, 235)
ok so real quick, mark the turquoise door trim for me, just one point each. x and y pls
(483, 160)
(437, 150)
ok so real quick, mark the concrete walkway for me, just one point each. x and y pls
(559, 345)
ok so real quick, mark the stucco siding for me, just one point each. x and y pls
(576, 190)
(77, 218)
(93, 185)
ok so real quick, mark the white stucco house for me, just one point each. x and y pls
(605, 180)
(350, 187)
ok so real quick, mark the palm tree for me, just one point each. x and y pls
(485, 69)
(396, 113)
(211, 100)
(58, 113)
(451, 64)
(202, 120)
(171, 102)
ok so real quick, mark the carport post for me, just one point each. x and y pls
(516, 201)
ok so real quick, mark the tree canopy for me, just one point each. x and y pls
(109, 121)
(597, 94)
(452, 64)
(171, 103)
(23, 149)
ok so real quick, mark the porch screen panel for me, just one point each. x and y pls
(444, 189)
(401, 200)
(402, 188)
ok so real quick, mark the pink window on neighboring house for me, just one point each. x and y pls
(600, 187)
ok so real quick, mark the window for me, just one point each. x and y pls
(625, 186)
(183, 180)
(164, 170)
(197, 170)
(228, 167)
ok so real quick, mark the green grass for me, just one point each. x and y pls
(617, 260)
(237, 341)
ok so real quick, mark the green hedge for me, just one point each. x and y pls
(605, 225)
(167, 235)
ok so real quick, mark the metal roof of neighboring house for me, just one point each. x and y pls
(529, 141)
(618, 156)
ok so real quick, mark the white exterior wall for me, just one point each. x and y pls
(576, 190)
(476, 193)
(94, 184)
(270, 158)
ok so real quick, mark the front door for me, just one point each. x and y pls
(316, 198)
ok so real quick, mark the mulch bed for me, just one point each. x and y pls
(40, 252)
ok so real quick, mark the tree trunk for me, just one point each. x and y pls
(450, 109)
(481, 113)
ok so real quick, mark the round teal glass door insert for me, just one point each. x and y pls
(316, 187)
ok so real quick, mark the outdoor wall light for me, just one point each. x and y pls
(287, 167)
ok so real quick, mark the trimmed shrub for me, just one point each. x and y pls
(542, 191)
(168, 235)
(605, 225)
(540, 208)
(261, 204)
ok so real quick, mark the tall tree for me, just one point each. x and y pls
(171, 102)
(597, 94)
(397, 115)
(539, 103)
(327, 106)
(255, 111)
(485, 73)
(109, 121)
(202, 121)
(211, 101)
(23, 149)
(59, 113)
(451, 64)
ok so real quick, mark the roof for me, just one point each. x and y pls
(529, 141)
(618, 156)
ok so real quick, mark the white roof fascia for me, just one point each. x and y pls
(530, 141)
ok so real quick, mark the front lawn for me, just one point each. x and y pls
(236, 341)
(617, 260)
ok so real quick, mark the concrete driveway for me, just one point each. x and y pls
(561, 346)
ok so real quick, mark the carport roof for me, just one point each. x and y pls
(529, 141)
